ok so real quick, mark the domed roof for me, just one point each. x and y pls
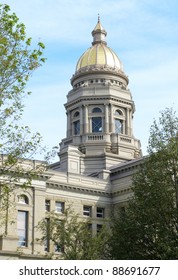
(99, 54)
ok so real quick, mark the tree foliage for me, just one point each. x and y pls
(149, 229)
(73, 237)
(17, 63)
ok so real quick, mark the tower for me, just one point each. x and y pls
(99, 112)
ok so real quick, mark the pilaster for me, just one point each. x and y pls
(106, 118)
(86, 126)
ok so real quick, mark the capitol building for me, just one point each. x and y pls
(97, 158)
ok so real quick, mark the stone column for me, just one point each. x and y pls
(106, 119)
(131, 123)
(128, 129)
(86, 127)
(81, 120)
(112, 124)
(68, 124)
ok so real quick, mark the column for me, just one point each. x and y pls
(81, 120)
(112, 120)
(86, 128)
(68, 124)
(131, 123)
(128, 129)
(106, 119)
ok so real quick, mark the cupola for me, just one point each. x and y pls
(99, 57)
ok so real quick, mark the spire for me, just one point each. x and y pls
(99, 33)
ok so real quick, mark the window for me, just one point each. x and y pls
(96, 110)
(87, 211)
(100, 212)
(22, 228)
(58, 248)
(23, 199)
(119, 121)
(59, 207)
(99, 228)
(96, 120)
(47, 239)
(118, 126)
(77, 127)
(96, 124)
(47, 205)
(118, 112)
(89, 227)
(76, 114)
(76, 123)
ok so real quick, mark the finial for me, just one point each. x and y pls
(99, 33)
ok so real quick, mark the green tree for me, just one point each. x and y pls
(17, 63)
(73, 238)
(149, 228)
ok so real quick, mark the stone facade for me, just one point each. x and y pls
(97, 157)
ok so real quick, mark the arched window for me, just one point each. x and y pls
(76, 123)
(96, 110)
(22, 228)
(118, 112)
(23, 199)
(96, 120)
(119, 121)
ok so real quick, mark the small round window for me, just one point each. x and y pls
(76, 114)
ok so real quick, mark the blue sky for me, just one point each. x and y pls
(143, 33)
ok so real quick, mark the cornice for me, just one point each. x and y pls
(91, 98)
(121, 192)
(93, 69)
(79, 189)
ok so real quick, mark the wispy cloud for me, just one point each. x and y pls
(144, 34)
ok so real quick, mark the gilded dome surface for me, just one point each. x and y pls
(99, 54)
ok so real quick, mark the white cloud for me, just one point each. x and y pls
(144, 34)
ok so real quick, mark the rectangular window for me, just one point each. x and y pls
(87, 211)
(89, 227)
(97, 124)
(77, 127)
(99, 228)
(47, 205)
(100, 212)
(47, 239)
(22, 228)
(60, 224)
(59, 207)
(118, 126)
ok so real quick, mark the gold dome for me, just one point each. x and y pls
(99, 54)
